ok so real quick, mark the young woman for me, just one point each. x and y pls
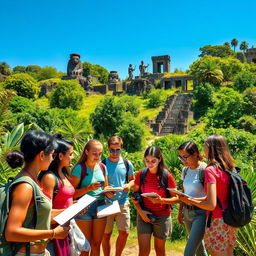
(153, 213)
(192, 216)
(37, 149)
(219, 237)
(92, 184)
(57, 177)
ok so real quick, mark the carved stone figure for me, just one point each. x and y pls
(130, 72)
(142, 68)
(88, 83)
(113, 77)
(75, 66)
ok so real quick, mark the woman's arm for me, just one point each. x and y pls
(21, 197)
(210, 201)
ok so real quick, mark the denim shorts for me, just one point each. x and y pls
(91, 213)
(159, 226)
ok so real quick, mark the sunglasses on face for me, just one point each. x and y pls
(118, 151)
(183, 158)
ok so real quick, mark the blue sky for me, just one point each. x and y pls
(116, 33)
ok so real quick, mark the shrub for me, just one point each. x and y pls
(23, 84)
(132, 133)
(156, 98)
(67, 94)
(131, 104)
(244, 80)
(47, 73)
(107, 117)
(250, 101)
(248, 123)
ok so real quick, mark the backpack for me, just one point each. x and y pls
(163, 182)
(240, 206)
(84, 172)
(11, 248)
(104, 161)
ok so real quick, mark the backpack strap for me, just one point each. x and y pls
(127, 167)
(142, 177)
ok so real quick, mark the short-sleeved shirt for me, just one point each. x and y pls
(91, 177)
(153, 184)
(117, 178)
(216, 176)
(191, 183)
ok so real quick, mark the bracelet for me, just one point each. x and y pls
(53, 233)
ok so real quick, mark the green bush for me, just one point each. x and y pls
(250, 101)
(107, 117)
(97, 70)
(47, 73)
(131, 104)
(68, 94)
(244, 80)
(156, 98)
(23, 84)
(132, 133)
(248, 123)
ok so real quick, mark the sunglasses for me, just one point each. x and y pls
(183, 158)
(118, 151)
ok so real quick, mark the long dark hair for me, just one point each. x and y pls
(32, 143)
(156, 152)
(191, 148)
(63, 147)
(218, 153)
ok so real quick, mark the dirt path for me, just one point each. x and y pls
(133, 251)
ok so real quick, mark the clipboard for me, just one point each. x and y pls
(152, 194)
(73, 210)
(108, 209)
(175, 191)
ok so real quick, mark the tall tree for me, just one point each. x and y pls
(244, 46)
(234, 43)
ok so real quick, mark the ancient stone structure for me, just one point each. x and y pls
(161, 64)
(138, 87)
(175, 115)
(176, 81)
(251, 55)
(46, 87)
(75, 66)
(113, 77)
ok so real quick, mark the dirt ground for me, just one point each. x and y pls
(133, 250)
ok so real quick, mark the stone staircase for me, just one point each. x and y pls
(174, 117)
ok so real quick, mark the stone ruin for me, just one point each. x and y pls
(251, 55)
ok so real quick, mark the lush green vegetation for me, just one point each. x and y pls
(224, 103)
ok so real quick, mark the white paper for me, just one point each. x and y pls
(178, 192)
(152, 194)
(108, 209)
(74, 209)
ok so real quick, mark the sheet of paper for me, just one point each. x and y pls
(177, 192)
(74, 209)
(152, 194)
(111, 190)
(108, 209)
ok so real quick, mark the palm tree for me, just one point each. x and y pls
(234, 43)
(244, 46)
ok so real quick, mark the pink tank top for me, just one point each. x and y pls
(64, 197)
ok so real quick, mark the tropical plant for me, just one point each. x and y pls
(156, 98)
(244, 80)
(244, 46)
(234, 43)
(216, 50)
(5, 69)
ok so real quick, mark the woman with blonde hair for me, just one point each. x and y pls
(89, 176)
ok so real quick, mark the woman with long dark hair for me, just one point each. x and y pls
(37, 149)
(153, 213)
(219, 237)
(192, 216)
(56, 182)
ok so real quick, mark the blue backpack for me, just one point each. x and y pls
(11, 248)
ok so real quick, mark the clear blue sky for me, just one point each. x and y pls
(116, 33)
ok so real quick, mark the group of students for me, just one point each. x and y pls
(47, 160)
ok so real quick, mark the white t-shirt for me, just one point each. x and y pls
(192, 184)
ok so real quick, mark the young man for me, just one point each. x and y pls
(120, 174)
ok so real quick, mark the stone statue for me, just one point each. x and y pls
(113, 77)
(130, 71)
(142, 68)
(75, 66)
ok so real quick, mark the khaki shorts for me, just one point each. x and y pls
(219, 236)
(122, 219)
(46, 253)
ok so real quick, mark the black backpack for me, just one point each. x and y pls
(240, 206)
(126, 166)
